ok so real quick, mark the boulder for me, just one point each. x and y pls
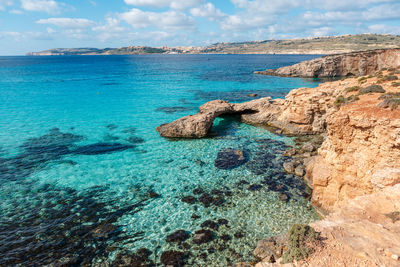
(173, 258)
(203, 236)
(230, 158)
(270, 249)
(288, 166)
(299, 171)
(177, 236)
(308, 147)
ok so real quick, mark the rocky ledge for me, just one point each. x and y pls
(341, 65)
(355, 173)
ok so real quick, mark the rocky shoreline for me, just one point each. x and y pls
(352, 166)
(341, 65)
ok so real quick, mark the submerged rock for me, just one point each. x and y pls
(238, 234)
(225, 237)
(210, 224)
(223, 221)
(135, 140)
(206, 199)
(203, 236)
(269, 250)
(101, 148)
(283, 197)
(299, 171)
(111, 126)
(288, 166)
(189, 199)
(173, 258)
(198, 191)
(178, 236)
(255, 187)
(230, 158)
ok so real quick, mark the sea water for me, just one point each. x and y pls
(85, 177)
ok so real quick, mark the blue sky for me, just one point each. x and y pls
(34, 25)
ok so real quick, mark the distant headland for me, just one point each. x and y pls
(315, 45)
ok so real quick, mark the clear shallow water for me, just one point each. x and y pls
(85, 176)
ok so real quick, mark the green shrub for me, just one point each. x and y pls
(345, 100)
(390, 95)
(396, 84)
(381, 80)
(391, 78)
(370, 76)
(352, 89)
(301, 239)
(390, 100)
(372, 89)
(362, 79)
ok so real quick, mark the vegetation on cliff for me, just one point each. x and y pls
(301, 241)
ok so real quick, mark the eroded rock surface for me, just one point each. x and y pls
(355, 174)
(361, 153)
(198, 125)
(348, 64)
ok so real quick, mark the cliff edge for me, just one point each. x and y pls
(355, 174)
(341, 65)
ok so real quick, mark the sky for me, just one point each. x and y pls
(35, 25)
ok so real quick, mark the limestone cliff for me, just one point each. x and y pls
(361, 152)
(340, 65)
(355, 174)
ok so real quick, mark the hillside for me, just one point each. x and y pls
(317, 45)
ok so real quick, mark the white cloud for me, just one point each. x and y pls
(50, 30)
(375, 13)
(19, 36)
(386, 29)
(344, 4)
(266, 7)
(110, 30)
(16, 11)
(383, 12)
(323, 31)
(67, 23)
(207, 10)
(4, 4)
(169, 20)
(175, 4)
(257, 14)
(48, 6)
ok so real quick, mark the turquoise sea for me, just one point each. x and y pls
(87, 181)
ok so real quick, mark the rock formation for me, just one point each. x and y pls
(341, 65)
(198, 125)
(355, 174)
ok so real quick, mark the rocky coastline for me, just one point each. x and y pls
(348, 151)
(341, 65)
